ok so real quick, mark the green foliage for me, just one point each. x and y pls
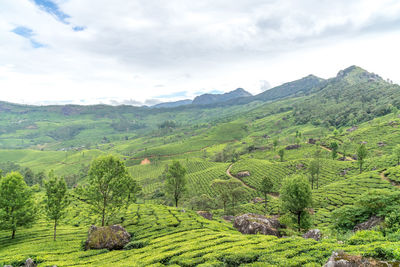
(334, 147)
(365, 237)
(56, 199)
(396, 153)
(266, 188)
(314, 169)
(17, 207)
(281, 153)
(296, 197)
(229, 191)
(106, 189)
(361, 155)
(175, 183)
(376, 202)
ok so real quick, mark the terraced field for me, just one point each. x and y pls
(171, 237)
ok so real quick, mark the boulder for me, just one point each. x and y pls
(352, 129)
(30, 263)
(341, 259)
(205, 214)
(109, 237)
(257, 224)
(369, 224)
(290, 147)
(314, 234)
(312, 141)
(243, 174)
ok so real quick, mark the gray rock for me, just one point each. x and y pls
(205, 214)
(243, 174)
(109, 237)
(257, 224)
(314, 234)
(30, 263)
(369, 224)
(258, 200)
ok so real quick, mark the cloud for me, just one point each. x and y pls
(121, 49)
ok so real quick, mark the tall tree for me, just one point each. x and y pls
(56, 199)
(334, 147)
(281, 153)
(16, 203)
(313, 169)
(296, 197)
(237, 193)
(396, 152)
(226, 191)
(266, 188)
(133, 189)
(175, 183)
(106, 189)
(361, 155)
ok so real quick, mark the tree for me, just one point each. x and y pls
(29, 177)
(236, 194)
(133, 189)
(225, 189)
(314, 169)
(16, 203)
(175, 184)
(266, 188)
(396, 152)
(281, 153)
(296, 197)
(40, 177)
(334, 147)
(106, 189)
(56, 199)
(361, 155)
(275, 143)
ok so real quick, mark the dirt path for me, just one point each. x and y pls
(340, 154)
(383, 177)
(228, 172)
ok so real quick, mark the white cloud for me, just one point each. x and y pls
(128, 48)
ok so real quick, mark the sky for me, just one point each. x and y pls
(149, 51)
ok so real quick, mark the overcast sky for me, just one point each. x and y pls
(144, 51)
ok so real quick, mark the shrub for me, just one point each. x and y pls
(365, 237)
(136, 244)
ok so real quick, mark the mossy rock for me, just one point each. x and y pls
(109, 237)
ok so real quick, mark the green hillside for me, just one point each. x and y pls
(274, 136)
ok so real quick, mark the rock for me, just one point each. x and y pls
(341, 259)
(352, 129)
(228, 218)
(312, 141)
(257, 224)
(314, 234)
(109, 237)
(368, 225)
(381, 144)
(258, 200)
(205, 214)
(290, 147)
(300, 166)
(183, 210)
(243, 174)
(30, 263)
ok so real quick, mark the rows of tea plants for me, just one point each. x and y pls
(344, 192)
(168, 236)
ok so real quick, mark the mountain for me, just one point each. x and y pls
(207, 99)
(173, 104)
(353, 96)
(298, 87)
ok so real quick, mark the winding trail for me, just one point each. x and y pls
(340, 154)
(228, 172)
(383, 177)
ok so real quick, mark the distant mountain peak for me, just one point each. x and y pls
(206, 99)
(355, 74)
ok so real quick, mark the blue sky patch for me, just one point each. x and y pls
(28, 34)
(78, 28)
(53, 9)
(172, 95)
